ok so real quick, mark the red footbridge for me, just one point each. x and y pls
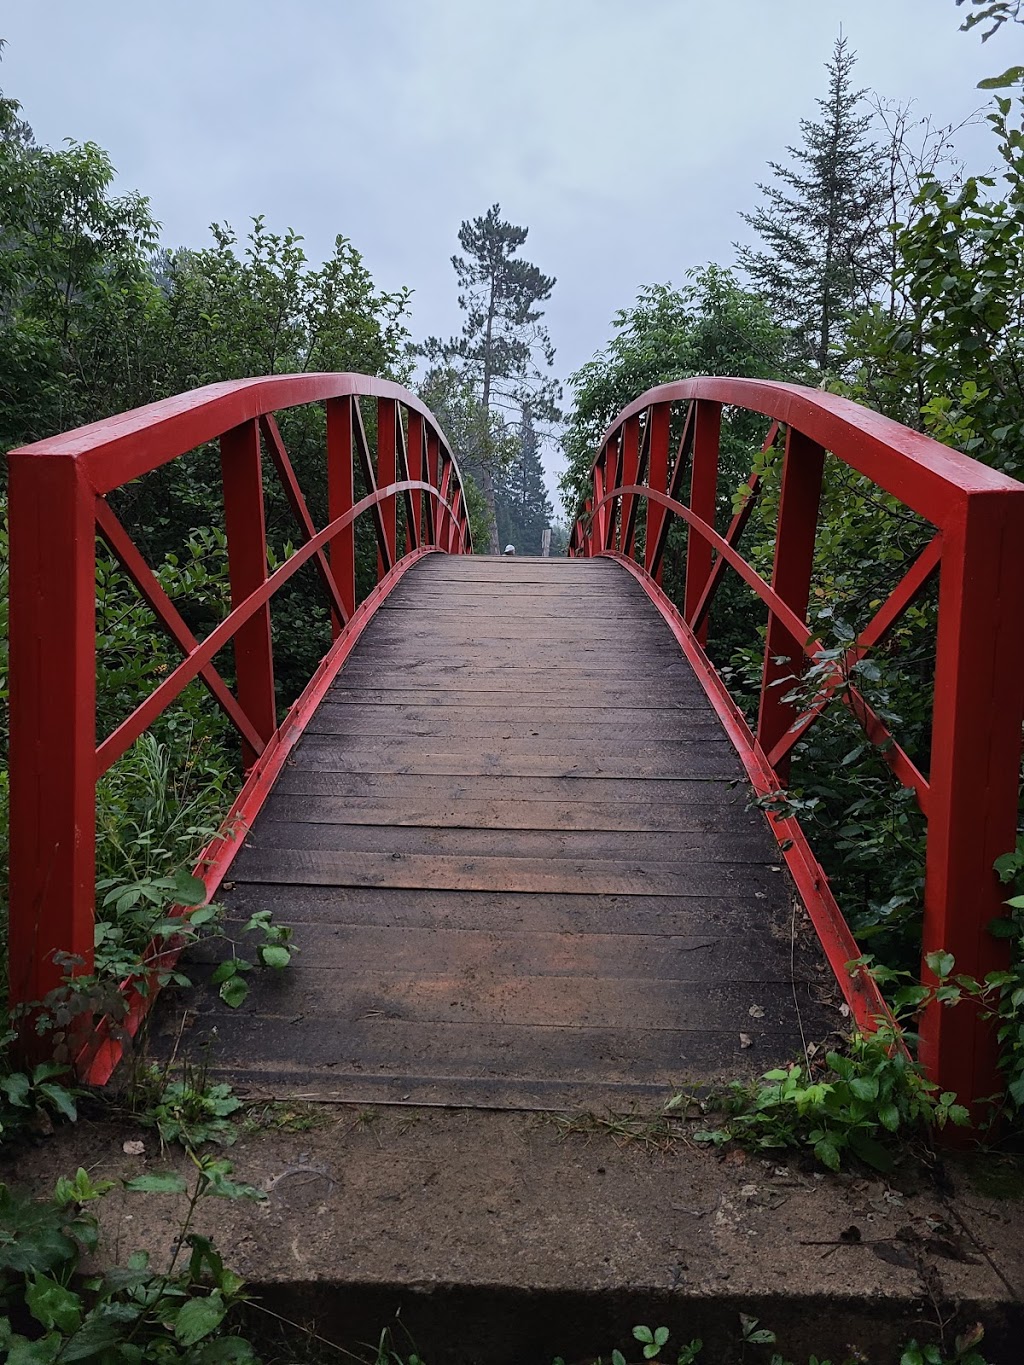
(513, 816)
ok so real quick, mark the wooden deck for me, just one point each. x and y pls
(515, 848)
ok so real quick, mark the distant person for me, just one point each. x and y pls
(510, 549)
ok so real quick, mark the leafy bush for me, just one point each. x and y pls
(129, 1313)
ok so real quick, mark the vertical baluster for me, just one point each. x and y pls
(340, 498)
(703, 492)
(600, 532)
(414, 462)
(247, 569)
(799, 497)
(657, 478)
(387, 464)
(444, 518)
(630, 475)
(431, 512)
(614, 468)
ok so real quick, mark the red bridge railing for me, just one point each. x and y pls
(970, 794)
(58, 506)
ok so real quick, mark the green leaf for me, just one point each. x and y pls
(865, 1087)
(234, 991)
(889, 1117)
(941, 964)
(167, 1183)
(16, 1087)
(870, 1151)
(275, 956)
(224, 972)
(188, 890)
(1011, 76)
(53, 1305)
(643, 1334)
(199, 1317)
(827, 1153)
(21, 1351)
(61, 1099)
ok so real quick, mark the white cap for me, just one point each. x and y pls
(510, 549)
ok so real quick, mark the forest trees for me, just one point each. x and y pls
(711, 325)
(76, 293)
(823, 255)
(504, 350)
(523, 508)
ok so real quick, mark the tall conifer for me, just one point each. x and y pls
(821, 220)
(503, 349)
(523, 505)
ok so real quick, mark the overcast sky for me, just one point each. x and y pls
(626, 134)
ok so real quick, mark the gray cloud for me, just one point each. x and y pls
(627, 136)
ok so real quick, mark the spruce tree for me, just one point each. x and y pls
(522, 503)
(821, 222)
(503, 350)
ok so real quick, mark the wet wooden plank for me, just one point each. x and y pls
(592, 876)
(563, 1002)
(703, 760)
(738, 845)
(416, 787)
(467, 813)
(739, 915)
(553, 726)
(363, 950)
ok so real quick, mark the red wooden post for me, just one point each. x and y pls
(53, 723)
(340, 496)
(657, 478)
(387, 465)
(414, 461)
(703, 490)
(247, 566)
(800, 494)
(972, 805)
(588, 545)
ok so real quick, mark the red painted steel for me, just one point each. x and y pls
(387, 473)
(803, 468)
(297, 503)
(970, 793)
(57, 506)
(657, 479)
(341, 496)
(242, 476)
(703, 494)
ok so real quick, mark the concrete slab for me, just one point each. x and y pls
(506, 1237)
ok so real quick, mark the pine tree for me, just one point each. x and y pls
(522, 503)
(821, 221)
(503, 350)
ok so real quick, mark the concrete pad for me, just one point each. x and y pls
(506, 1237)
